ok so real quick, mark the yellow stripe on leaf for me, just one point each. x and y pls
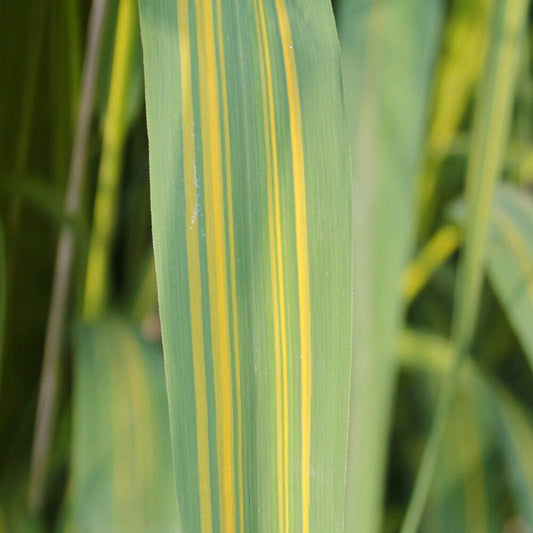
(216, 257)
(233, 276)
(193, 262)
(271, 168)
(301, 248)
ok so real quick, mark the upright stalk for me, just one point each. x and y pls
(489, 137)
(45, 419)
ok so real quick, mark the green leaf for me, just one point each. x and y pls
(3, 286)
(486, 158)
(116, 124)
(387, 89)
(462, 497)
(251, 204)
(143, 295)
(122, 476)
(490, 131)
(15, 518)
(45, 200)
(510, 260)
(516, 430)
(461, 63)
(511, 425)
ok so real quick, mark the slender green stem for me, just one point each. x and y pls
(490, 132)
(115, 129)
(45, 419)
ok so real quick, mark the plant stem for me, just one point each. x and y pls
(45, 419)
(114, 137)
(490, 132)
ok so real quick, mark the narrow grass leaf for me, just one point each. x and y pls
(489, 140)
(122, 476)
(461, 499)
(251, 206)
(510, 260)
(387, 89)
(463, 55)
(467, 494)
(511, 424)
(516, 430)
(485, 163)
(43, 199)
(109, 172)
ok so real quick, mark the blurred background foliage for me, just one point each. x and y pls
(91, 473)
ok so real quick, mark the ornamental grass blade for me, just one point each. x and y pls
(387, 88)
(463, 497)
(510, 424)
(464, 48)
(516, 432)
(251, 207)
(122, 477)
(490, 131)
(510, 260)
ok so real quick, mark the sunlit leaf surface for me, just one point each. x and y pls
(251, 204)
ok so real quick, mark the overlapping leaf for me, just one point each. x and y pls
(388, 50)
(510, 260)
(509, 424)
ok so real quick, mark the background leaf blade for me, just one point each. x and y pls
(387, 89)
(122, 475)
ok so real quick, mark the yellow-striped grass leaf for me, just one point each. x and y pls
(463, 497)
(490, 130)
(486, 158)
(510, 260)
(251, 206)
(122, 476)
(134, 96)
(115, 130)
(387, 88)
(512, 425)
(464, 47)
